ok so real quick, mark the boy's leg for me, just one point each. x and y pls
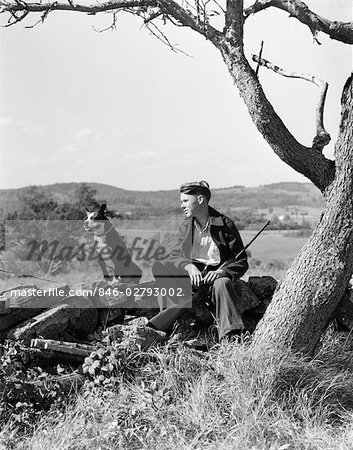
(178, 282)
(225, 298)
(166, 318)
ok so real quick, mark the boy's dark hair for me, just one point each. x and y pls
(196, 188)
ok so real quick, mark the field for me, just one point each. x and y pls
(270, 255)
(274, 245)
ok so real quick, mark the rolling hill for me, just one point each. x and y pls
(300, 199)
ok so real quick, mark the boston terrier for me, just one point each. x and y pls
(113, 256)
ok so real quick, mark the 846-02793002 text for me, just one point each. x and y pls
(139, 291)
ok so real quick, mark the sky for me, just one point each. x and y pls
(121, 108)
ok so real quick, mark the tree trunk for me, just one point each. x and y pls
(317, 279)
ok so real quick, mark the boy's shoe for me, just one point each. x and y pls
(136, 334)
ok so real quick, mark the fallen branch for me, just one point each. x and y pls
(70, 348)
(54, 351)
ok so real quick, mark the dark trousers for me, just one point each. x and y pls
(224, 298)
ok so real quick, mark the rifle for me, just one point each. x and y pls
(252, 240)
(243, 250)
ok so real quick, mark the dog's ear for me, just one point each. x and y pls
(103, 209)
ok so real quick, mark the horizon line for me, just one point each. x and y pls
(150, 190)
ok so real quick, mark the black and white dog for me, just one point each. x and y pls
(113, 256)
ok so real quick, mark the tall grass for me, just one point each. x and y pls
(180, 398)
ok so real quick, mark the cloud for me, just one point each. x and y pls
(35, 130)
(5, 121)
(83, 133)
(35, 161)
(88, 133)
(174, 146)
(70, 148)
(149, 153)
(31, 130)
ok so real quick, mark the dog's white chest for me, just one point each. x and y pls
(100, 243)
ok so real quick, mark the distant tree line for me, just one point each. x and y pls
(249, 219)
(37, 204)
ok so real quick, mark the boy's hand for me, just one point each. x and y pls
(194, 274)
(210, 277)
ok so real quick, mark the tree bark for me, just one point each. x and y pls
(317, 279)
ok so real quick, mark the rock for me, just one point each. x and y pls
(84, 317)
(15, 316)
(48, 324)
(11, 314)
(248, 299)
(109, 316)
(16, 308)
(67, 317)
(200, 314)
(263, 288)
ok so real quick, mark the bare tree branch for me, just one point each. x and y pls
(15, 19)
(153, 16)
(260, 55)
(158, 33)
(44, 6)
(341, 31)
(111, 27)
(169, 7)
(219, 6)
(322, 138)
(308, 161)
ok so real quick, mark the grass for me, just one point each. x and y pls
(180, 398)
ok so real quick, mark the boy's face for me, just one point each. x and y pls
(191, 204)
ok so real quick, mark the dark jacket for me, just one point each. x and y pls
(225, 235)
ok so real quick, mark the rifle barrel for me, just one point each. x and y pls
(252, 240)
